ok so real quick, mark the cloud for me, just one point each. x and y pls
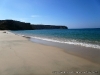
(23, 20)
(35, 16)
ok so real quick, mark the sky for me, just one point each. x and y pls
(71, 13)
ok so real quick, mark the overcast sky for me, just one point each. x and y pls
(72, 13)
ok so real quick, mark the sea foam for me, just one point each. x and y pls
(73, 42)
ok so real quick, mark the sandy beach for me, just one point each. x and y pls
(19, 56)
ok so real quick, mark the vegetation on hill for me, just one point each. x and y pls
(17, 25)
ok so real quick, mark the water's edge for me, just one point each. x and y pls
(86, 38)
(88, 53)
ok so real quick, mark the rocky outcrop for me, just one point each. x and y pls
(17, 25)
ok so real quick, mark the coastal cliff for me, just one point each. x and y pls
(48, 27)
(17, 25)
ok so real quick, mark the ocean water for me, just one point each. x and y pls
(82, 37)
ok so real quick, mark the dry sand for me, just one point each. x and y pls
(19, 56)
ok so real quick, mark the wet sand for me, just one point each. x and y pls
(91, 54)
(19, 56)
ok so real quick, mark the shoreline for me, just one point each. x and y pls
(62, 40)
(87, 53)
(20, 56)
(80, 51)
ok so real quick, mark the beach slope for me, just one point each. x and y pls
(19, 56)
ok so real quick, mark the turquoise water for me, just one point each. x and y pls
(82, 37)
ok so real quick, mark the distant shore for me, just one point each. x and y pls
(19, 56)
(17, 25)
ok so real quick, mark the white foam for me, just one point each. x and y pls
(9, 32)
(73, 42)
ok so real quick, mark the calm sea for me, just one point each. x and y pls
(82, 37)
